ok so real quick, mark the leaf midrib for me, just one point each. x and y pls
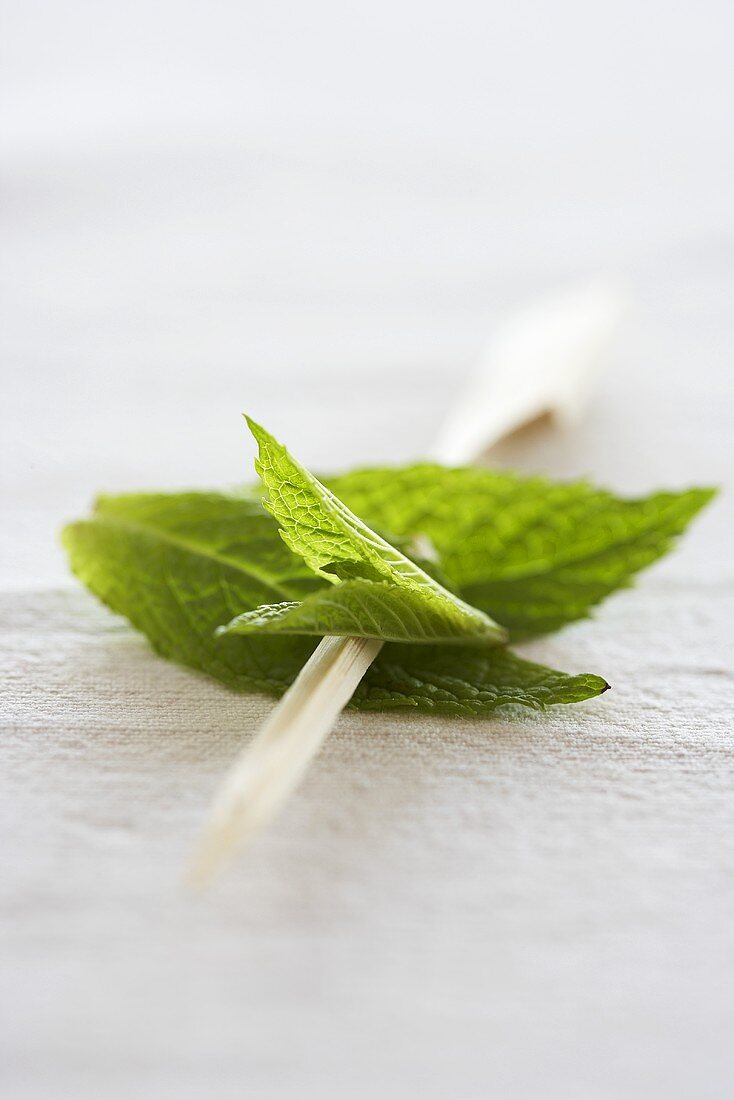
(193, 547)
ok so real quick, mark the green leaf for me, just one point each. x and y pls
(531, 553)
(468, 682)
(384, 594)
(178, 565)
(362, 608)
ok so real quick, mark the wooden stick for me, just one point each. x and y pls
(269, 768)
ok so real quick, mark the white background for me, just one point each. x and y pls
(316, 213)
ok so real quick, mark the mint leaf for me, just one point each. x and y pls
(365, 609)
(178, 565)
(468, 682)
(531, 553)
(384, 594)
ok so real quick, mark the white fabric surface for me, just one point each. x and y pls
(233, 208)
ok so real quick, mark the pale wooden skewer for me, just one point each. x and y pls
(537, 364)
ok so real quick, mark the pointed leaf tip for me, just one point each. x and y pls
(257, 429)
